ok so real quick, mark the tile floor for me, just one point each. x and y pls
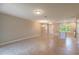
(38, 46)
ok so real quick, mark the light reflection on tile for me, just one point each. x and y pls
(69, 43)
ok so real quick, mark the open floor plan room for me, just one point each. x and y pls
(39, 29)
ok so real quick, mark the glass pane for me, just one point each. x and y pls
(65, 28)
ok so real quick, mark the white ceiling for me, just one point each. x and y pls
(53, 11)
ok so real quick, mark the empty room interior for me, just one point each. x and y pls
(39, 29)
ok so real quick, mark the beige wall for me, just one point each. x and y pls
(14, 28)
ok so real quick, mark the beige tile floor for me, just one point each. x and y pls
(42, 46)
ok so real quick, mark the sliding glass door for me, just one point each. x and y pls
(67, 29)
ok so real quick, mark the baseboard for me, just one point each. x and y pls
(8, 42)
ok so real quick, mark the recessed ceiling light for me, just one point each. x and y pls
(38, 11)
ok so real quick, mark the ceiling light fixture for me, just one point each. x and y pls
(38, 11)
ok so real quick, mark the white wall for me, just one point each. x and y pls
(14, 28)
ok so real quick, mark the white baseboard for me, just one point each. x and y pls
(12, 41)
